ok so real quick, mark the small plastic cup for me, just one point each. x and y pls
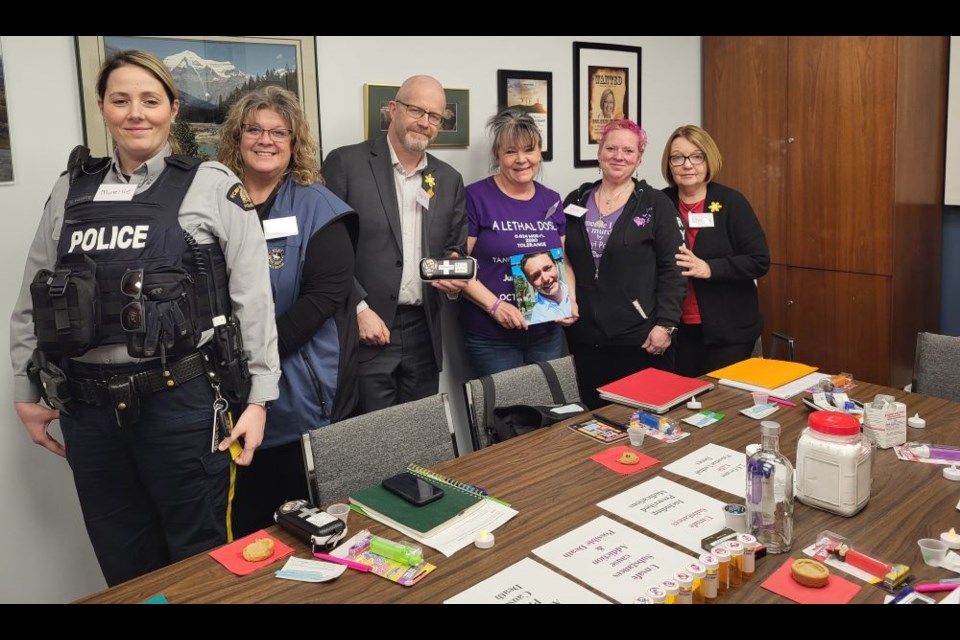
(735, 517)
(339, 510)
(933, 551)
(636, 436)
(759, 398)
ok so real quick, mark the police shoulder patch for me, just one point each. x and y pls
(238, 196)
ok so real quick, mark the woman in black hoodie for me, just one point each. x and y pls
(622, 236)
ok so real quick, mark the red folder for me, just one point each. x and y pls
(653, 390)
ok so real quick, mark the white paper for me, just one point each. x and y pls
(568, 408)
(460, 534)
(670, 510)
(575, 211)
(527, 582)
(785, 392)
(280, 228)
(716, 466)
(613, 558)
(115, 193)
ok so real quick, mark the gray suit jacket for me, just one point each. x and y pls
(362, 176)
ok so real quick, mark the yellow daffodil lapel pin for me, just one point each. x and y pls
(715, 207)
(431, 182)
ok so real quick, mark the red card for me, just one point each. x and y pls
(837, 591)
(231, 555)
(609, 457)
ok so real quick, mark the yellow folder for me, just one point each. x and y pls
(763, 372)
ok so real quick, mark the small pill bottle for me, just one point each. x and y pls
(736, 562)
(672, 589)
(723, 573)
(644, 600)
(749, 554)
(657, 595)
(699, 573)
(685, 580)
(710, 582)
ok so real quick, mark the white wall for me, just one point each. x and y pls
(53, 561)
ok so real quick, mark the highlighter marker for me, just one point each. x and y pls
(934, 587)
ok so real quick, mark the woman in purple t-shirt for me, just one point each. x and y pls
(508, 215)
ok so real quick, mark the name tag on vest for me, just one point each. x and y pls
(280, 228)
(115, 193)
(701, 220)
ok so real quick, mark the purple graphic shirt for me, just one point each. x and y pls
(599, 227)
(506, 227)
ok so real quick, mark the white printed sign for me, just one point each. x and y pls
(670, 510)
(613, 558)
(716, 466)
(527, 582)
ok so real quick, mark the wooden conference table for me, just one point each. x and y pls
(548, 477)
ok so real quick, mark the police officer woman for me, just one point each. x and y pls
(311, 238)
(142, 269)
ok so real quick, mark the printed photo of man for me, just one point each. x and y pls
(544, 272)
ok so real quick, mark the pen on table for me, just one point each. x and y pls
(933, 587)
(900, 596)
(613, 423)
(356, 566)
(785, 403)
(950, 581)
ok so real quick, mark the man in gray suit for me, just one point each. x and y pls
(411, 206)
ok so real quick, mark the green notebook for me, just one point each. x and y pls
(426, 520)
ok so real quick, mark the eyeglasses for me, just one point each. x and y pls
(131, 316)
(416, 113)
(277, 135)
(694, 158)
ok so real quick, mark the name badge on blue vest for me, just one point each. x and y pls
(280, 228)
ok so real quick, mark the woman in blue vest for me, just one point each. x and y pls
(311, 236)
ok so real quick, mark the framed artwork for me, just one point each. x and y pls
(531, 91)
(454, 130)
(211, 73)
(606, 80)
(6, 152)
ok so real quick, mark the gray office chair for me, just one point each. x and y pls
(936, 366)
(523, 385)
(354, 453)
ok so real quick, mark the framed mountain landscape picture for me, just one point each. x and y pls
(211, 73)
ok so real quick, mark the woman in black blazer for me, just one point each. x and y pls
(726, 251)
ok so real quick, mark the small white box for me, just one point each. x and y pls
(886, 427)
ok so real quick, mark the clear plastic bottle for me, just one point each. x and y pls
(770, 492)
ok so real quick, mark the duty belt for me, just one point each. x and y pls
(97, 385)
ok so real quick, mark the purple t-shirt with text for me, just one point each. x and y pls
(505, 227)
(599, 227)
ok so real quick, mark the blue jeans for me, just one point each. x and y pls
(492, 355)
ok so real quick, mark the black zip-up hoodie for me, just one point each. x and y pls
(638, 283)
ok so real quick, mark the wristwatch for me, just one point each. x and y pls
(670, 330)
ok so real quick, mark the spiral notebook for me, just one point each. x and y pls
(444, 482)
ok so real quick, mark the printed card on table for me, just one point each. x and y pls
(527, 582)
(540, 284)
(670, 510)
(613, 558)
(716, 466)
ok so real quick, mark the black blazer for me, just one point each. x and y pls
(362, 176)
(638, 283)
(736, 250)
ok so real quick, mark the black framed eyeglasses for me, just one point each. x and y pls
(277, 135)
(694, 158)
(131, 316)
(416, 113)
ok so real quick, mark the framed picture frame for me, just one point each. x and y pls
(531, 91)
(454, 131)
(211, 73)
(6, 149)
(606, 80)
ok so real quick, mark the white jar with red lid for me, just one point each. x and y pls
(834, 464)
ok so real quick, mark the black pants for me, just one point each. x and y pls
(402, 371)
(694, 358)
(597, 366)
(152, 493)
(276, 476)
